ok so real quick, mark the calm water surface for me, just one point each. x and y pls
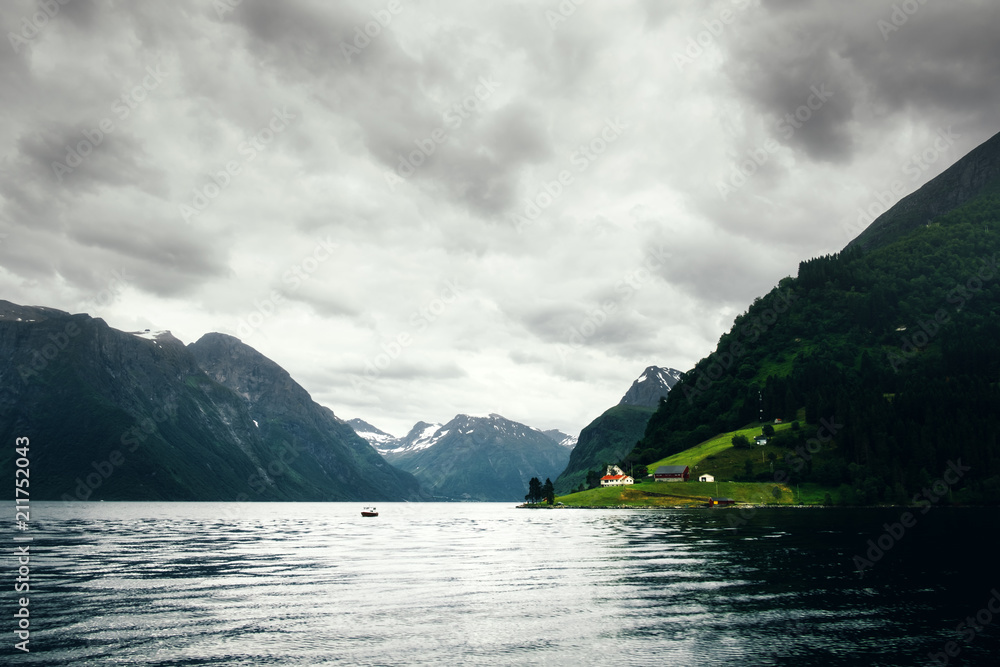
(488, 584)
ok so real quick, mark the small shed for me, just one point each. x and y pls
(720, 502)
(706, 478)
(672, 474)
(761, 440)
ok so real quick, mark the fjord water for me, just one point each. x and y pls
(489, 584)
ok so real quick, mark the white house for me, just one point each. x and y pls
(615, 477)
(706, 478)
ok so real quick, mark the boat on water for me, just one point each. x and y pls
(369, 511)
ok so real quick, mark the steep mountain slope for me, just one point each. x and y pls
(611, 436)
(478, 458)
(970, 177)
(340, 464)
(894, 348)
(654, 383)
(116, 416)
(605, 440)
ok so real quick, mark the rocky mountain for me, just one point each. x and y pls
(654, 383)
(477, 458)
(612, 436)
(112, 415)
(375, 437)
(285, 413)
(605, 440)
(563, 439)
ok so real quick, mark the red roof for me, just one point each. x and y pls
(613, 477)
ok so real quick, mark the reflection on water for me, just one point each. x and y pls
(312, 584)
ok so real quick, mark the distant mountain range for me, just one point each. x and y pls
(473, 458)
(113, 415)
(612, 436)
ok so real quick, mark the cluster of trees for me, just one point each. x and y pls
(898, 346)
(538, 492)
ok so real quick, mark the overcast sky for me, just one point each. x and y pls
(451, 207)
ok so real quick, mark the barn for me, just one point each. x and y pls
(672, 474)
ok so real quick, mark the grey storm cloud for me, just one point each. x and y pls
(878, 62)
(412, 141)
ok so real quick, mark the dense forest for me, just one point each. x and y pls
(897, 347)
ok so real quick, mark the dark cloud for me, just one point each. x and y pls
(529, 92)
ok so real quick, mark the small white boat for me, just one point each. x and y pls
(369, 511)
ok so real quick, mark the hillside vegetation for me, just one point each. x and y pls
(891, 351)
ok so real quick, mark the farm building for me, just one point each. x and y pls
(615, 477)
(672, 474)
(706, 478)
(719, 502)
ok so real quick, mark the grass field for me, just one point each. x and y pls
(679, 494)
(695, 455)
